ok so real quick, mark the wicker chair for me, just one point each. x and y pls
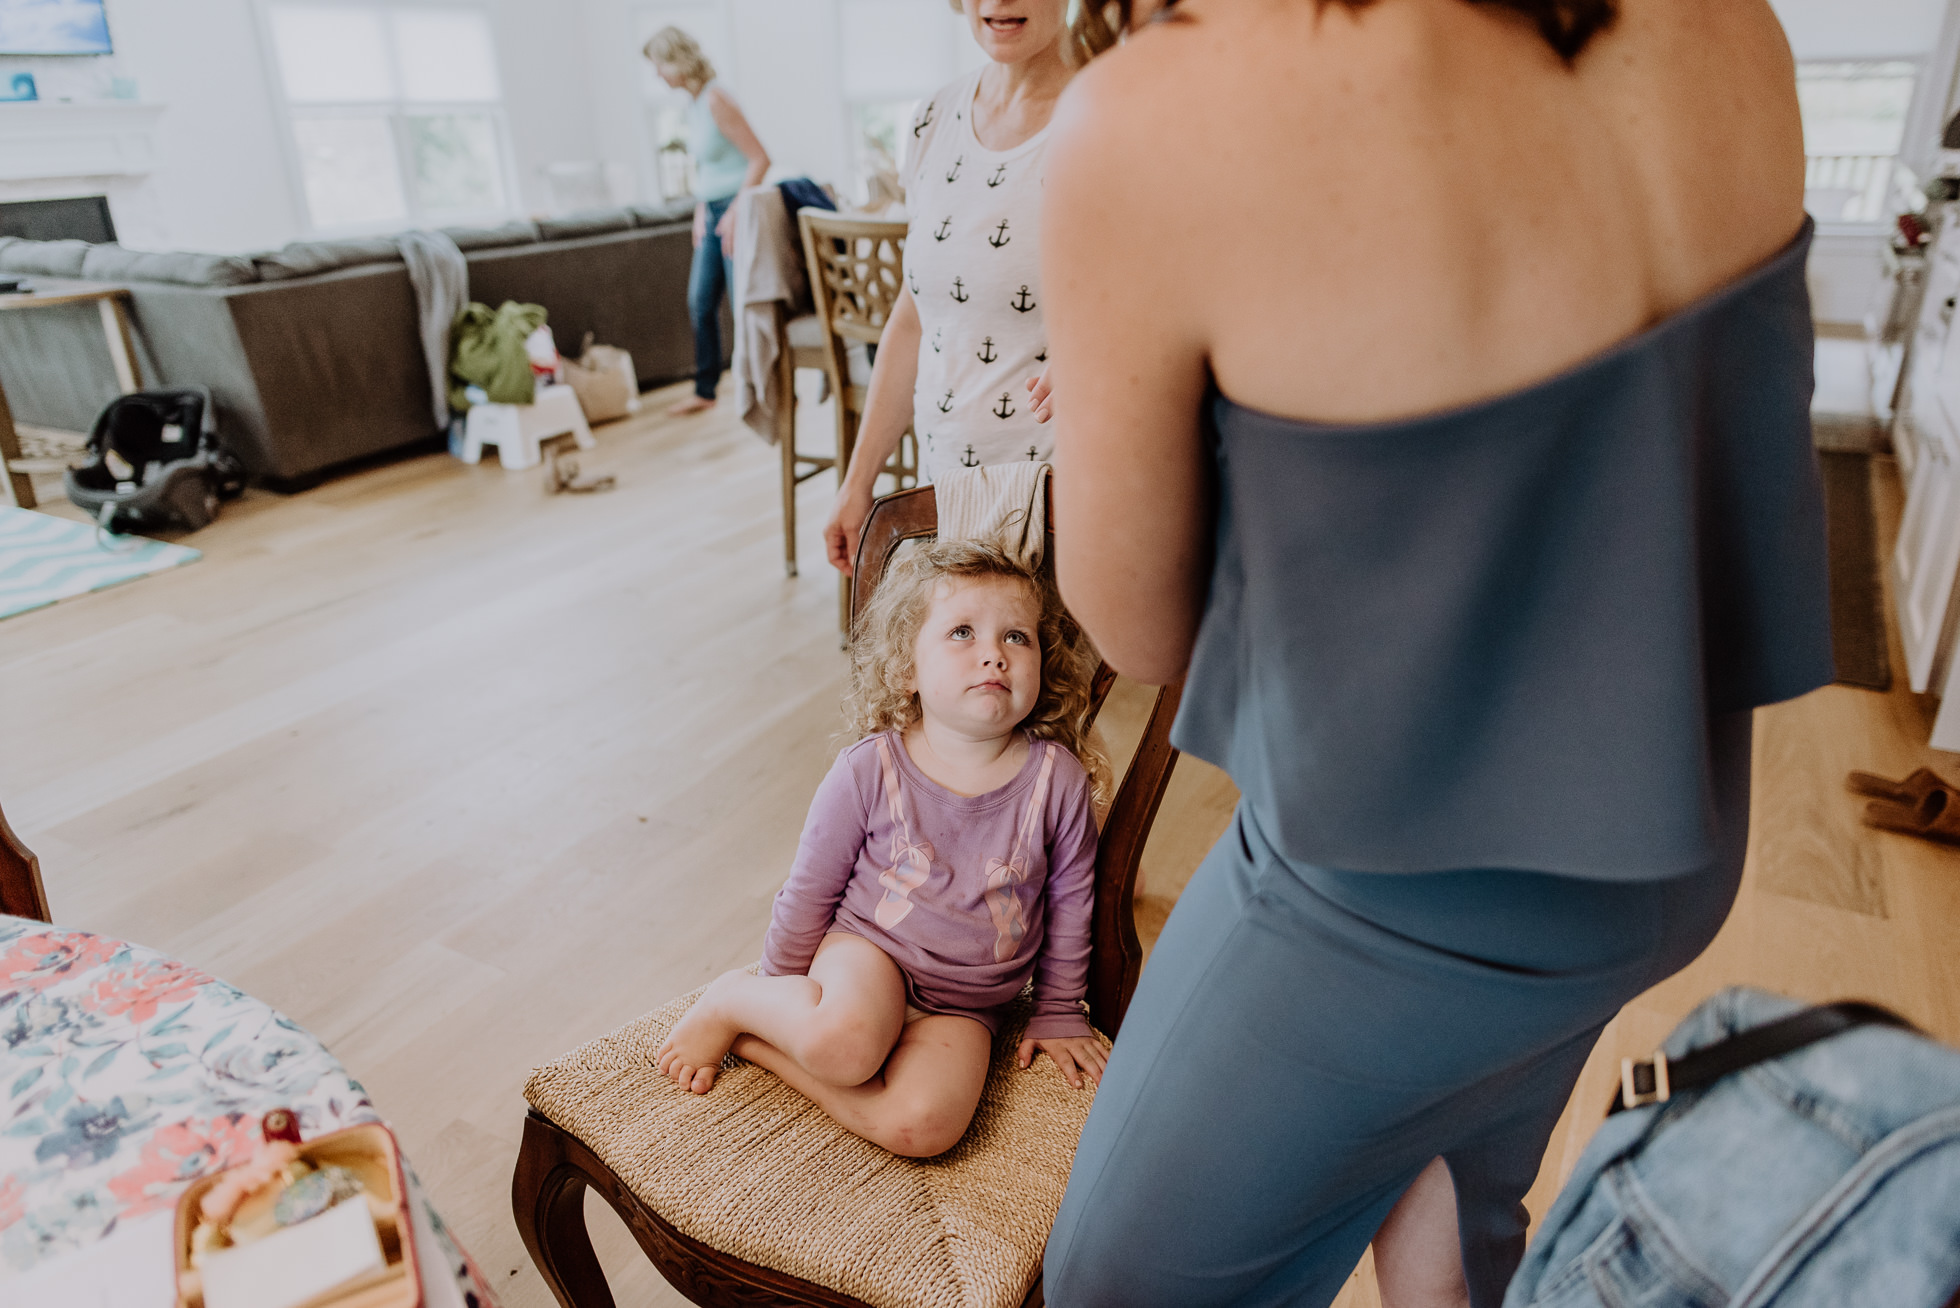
(751, 1195)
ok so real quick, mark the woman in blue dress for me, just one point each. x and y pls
(1461, 467)
(728, 158)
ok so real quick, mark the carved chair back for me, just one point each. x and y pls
(21, 891)
(857, 269)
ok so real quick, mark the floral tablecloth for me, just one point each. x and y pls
(126, 1075)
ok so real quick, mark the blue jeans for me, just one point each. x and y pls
(1305, 1040)
(711, 277)
(1826, 1178)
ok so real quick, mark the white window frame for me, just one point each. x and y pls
(1897, 176)
(396, 113)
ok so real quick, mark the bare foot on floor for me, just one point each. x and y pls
(692, 1053)
(692, 404)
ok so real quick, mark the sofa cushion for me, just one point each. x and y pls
(592, 222)
(112, 263)
(520, 232)
(305, 258)
(663, 214)
(48, 258)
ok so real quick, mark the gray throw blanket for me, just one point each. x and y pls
(441, 277)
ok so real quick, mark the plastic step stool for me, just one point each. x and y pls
(517, 429)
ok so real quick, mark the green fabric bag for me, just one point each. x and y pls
(486, 348)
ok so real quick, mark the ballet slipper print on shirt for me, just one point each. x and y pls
(1004, 875)
(910, 860)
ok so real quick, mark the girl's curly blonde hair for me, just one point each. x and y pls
(880, 698)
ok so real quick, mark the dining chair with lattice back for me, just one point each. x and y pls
(751, 1195)
(856, 268)
(21, 891)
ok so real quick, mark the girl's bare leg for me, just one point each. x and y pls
(920, 1104)
(839, 1022)
(1418, 1257)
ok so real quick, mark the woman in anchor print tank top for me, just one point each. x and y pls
(965, 344)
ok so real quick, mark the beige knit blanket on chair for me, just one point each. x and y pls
(1005, 504)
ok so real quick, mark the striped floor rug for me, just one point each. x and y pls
(44, 559)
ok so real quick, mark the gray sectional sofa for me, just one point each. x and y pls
(312, 352)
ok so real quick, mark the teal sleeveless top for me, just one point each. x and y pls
(719, 168)
(1495, 636)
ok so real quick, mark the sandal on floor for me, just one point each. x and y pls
(1913, 790)
(1921, 805)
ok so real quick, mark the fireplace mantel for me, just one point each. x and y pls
(44, 141)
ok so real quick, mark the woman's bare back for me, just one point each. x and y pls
(1417, 205)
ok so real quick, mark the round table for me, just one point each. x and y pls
(126, 1075)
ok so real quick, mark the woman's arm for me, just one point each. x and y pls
(887, 413)
(728, 117)
(1132, 503)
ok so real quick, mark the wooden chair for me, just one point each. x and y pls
(856, 266)
(612, 1090)
(802, 348)
(21, 891)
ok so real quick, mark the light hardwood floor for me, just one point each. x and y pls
(459, 775)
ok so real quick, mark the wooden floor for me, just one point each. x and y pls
(459, 775)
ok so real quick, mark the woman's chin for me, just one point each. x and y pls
(1005, 47)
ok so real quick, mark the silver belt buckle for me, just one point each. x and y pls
(1644, 1082)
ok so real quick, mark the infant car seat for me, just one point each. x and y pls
(155, 463)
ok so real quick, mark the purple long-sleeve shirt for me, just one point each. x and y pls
(968, 894)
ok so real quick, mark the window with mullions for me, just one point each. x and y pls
(1854, 116)
(396, 113)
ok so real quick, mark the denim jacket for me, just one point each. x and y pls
(1828, 1178)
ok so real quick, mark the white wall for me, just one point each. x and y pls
(575, 89)
(219, 183)
(222, 180)
(542, 59)
(795, 67)
(1860, 29)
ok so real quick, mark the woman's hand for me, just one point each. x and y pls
(1042, 396)
(847, 515)
(700, 224)
(1077, 1056)
(725, 229)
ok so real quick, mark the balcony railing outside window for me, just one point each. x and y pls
(1848, 188)
(1854, 115)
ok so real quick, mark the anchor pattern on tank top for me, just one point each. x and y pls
(973, 269)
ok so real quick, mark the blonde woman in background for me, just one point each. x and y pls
(727, 158)
(965, 346)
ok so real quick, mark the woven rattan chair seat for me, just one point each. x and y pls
(756, 1171)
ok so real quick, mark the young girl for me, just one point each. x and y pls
(948, 857)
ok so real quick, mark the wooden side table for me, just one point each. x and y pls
(111, 303)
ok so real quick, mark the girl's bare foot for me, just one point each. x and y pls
(692, 1053)
(692, 404)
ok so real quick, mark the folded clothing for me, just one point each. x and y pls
(486, 349)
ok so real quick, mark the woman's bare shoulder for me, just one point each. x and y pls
(1538, 211)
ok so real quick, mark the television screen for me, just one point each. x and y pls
(53, 27)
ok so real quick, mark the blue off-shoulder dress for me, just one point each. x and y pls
(1484, 681)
